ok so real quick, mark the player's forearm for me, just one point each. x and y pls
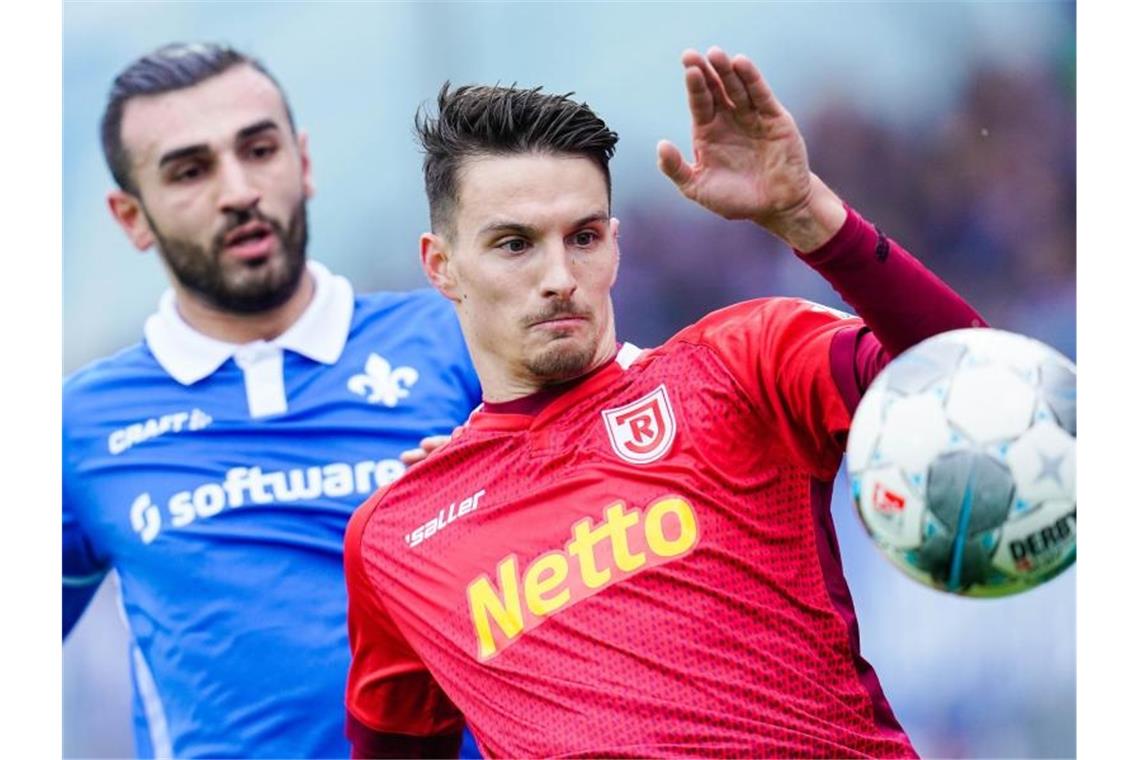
(902, 301)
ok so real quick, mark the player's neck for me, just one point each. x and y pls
(244, 328)
(512, 388)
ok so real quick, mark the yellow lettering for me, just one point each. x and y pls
(620, 522)
(555, 568)
(505, 610)
(655, 533)
(550, 583)
(582, 547)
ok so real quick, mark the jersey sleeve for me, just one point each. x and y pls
(390, 691)
(83, 569)
(779, 351)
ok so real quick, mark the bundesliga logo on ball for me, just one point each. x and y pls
(962, 459)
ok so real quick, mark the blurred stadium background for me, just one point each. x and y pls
(951, 125)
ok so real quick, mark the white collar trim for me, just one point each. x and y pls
(319, 333)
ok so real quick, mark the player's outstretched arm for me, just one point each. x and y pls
(749, 158)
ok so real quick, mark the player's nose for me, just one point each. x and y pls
(236, 190)
(558, 279)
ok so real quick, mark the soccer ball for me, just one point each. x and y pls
(962, 459)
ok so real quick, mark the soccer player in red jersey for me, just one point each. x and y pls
(628, 552)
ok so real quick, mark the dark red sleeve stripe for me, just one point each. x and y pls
(856, 358)
(367, 743)
(827, 546)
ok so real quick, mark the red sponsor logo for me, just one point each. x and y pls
(887, 501)
(642, 431)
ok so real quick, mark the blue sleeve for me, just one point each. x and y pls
(83, 571)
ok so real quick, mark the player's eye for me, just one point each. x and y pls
(262, 151)
(585, 238)
(187, 173)
(514, 245)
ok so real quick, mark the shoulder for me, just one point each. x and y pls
(112, 375)
(391, 308)
(354, 533)
(423, 481)
(419, 329)
(760, 315)
(762, 321)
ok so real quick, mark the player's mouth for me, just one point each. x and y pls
(561, 322)
(249, 241)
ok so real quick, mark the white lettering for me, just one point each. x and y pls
(335, 481)
(181, 509)
(257, 492)
(178, 420)
(209, 500)
(363, 482)
(446, 516)
(338, 479)
(117, 442)
(237, 481)
(387, 470)
(138, 432)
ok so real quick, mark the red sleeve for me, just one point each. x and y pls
(779, 352)
(391, 697)
(901, 301)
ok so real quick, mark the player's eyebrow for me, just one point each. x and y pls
(597, 216)
(526, 230)
(190, 150)
(257, 128)
(499, 227)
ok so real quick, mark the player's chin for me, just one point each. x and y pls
(563, 358)
(257, 288)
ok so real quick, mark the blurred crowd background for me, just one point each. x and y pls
(950, 125)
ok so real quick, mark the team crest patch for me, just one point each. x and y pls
(642, 432)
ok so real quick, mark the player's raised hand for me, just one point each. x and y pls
(749, 158)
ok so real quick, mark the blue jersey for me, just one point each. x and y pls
(217, 481)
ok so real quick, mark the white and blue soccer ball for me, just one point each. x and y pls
(962, 461)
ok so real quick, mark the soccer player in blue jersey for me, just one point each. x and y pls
(214, 465)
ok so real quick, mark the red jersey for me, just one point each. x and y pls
(646, 566)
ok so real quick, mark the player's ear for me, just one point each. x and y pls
(615, 223)
(306, 164)
(128, 212)
(435, 259)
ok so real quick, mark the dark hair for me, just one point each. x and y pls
(478, 120)
(171, 67)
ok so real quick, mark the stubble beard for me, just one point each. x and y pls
(240, 287)
(562, 361)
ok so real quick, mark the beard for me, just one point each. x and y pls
(564, 358)
(240, 287)
(559, 363)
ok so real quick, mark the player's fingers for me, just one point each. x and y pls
(761, 95)
(673, 165)
(411, 456)
(701, 104)
(733, 86)
(433, 442)
(427, 446)
(691, 59)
